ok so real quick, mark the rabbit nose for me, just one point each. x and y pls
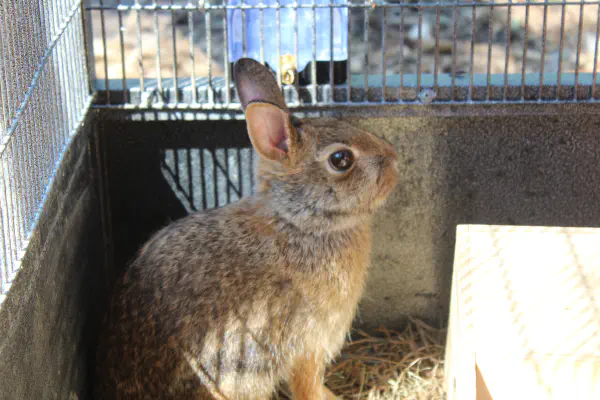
(389, 151)
(388, 160)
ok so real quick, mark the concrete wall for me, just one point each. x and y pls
(47, 322)
(509, 165)
(512, 170)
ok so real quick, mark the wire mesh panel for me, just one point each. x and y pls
(178, 53)
(44, 95)
(209, 178)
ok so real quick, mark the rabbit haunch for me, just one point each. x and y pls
(231, 302)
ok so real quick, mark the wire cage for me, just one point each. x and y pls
(44, 95)
(177, 53)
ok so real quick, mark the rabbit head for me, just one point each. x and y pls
(322, 174)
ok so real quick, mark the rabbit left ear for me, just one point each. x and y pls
(254, 82)
(271, 132)
(267, 117)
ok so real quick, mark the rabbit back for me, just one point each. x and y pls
(221, 303)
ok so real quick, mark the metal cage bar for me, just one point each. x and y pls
(428, 51)
(44, 96)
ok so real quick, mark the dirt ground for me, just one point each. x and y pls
(401, 36)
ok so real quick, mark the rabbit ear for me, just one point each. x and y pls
(267, 116)
(254, 82)
(271, 132)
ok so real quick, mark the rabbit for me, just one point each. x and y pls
(229, 303)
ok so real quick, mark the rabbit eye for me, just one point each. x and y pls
(341, 160)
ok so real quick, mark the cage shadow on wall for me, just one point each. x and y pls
(158, 174)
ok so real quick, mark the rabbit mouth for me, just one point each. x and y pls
(387, 184)
(382, 196)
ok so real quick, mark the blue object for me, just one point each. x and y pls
(287, 31)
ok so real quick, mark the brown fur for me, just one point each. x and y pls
(230, 302)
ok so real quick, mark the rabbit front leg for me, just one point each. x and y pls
(307, 379)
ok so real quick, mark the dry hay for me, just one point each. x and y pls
(390, 365)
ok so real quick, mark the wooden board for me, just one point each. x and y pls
(524, 314)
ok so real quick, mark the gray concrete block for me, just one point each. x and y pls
(47, 319)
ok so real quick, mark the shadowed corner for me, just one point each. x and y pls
(161, 170)
(481, 392)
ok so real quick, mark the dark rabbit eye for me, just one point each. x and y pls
(341, 160)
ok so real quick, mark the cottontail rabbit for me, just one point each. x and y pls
(230, 302)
